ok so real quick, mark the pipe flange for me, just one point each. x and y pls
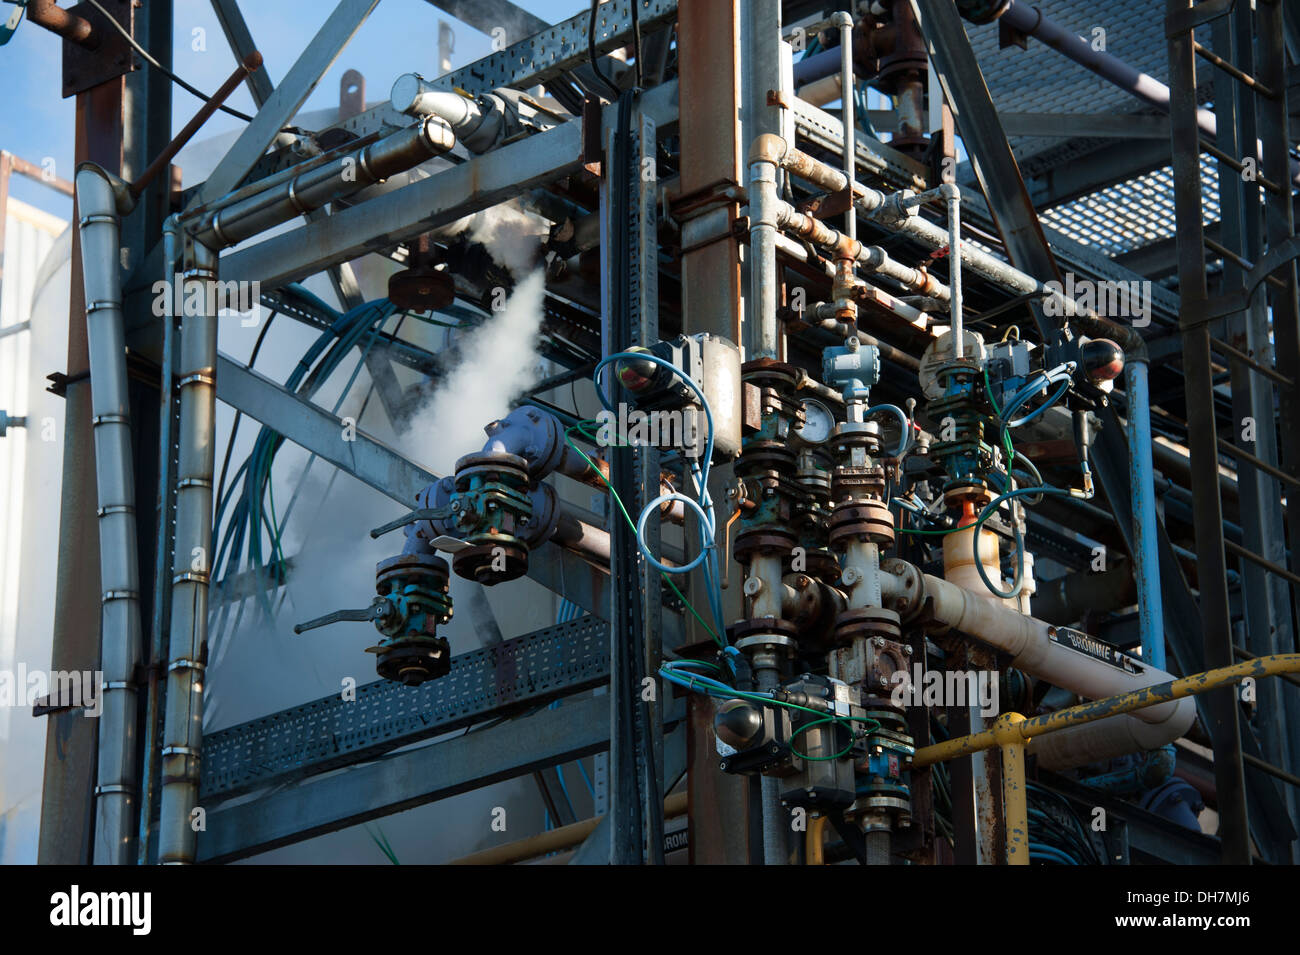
(429, 566)
(902, 585)
(867, 622)
(869, 522)
(491, 564)
(766, 540)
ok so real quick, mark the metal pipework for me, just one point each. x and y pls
(763, 221)
(893, 213)
(1030, 644)
(219, 227)
(100, 199)
(870, 257)
(952, 195)
(848, 91)
(1133, 702)
(183, 722)
(1146, 554)
(73, 28)
(477, 121)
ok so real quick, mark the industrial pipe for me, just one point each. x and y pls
(478, 122)
(1142, 489)
(218, 226)
(100, 200)
(557, 840)
(764, 205)
(1090, 669)
(844, 21)
(73, 28)
(183, 721)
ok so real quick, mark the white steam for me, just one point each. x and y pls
(511, 235)
(498, 363)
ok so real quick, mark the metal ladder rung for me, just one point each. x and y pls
(1272, 770)
(1237, 74)
(1228, 351)
(1259, 561)
(1230, 449)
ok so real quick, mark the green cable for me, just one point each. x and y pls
(632, 524)
(820, 759)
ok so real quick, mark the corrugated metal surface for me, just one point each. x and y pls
(34, 290)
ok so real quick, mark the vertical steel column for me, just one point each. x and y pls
(1202, 437)
(627, 621)
(191, 563)
(709, 80)
(643, 232)
(169, 414)
(1279, 224)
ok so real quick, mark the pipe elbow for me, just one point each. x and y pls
(117, 198)
(769, 147)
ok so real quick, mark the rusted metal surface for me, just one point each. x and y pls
(1256, 669)
(108, 55)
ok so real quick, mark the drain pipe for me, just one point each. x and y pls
(187, 653)
(101, 199)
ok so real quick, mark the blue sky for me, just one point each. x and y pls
(400, 36)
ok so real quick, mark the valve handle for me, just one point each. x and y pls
(377, 610)
(419, 514)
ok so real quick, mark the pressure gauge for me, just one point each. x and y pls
(818, 422)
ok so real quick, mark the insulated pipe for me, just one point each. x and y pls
(952, 195)
(764, 205)
(183, 722)
(320, 184)
(848, 90)
(477, 122)
(1030, 644)
(100, 198)
(870, 257)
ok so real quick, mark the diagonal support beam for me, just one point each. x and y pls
(286, 99)
(320, 432)
(241, 43)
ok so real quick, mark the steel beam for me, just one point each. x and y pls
(287, 98)
(241, 43)
(324, 434)
(405, 780)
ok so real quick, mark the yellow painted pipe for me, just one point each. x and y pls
(1198, 683)
(1015, 803)
(557, 840)
(816, 842)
